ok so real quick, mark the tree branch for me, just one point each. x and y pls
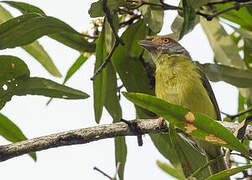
(86, 135)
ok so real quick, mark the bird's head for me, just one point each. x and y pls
(163, 45)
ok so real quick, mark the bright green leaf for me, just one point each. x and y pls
(170, 170)
(12, 133)
(229, 172)
(24, 7)
(199, 125)
(238, 77)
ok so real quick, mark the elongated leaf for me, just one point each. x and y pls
(24, 7)
(25, 29)
(34, 49)
(126, 57)
(96, 9)
(194, 124)
(224, 48)
(229, 172)
(189, 18)
(99, 83)
(248, 52)
(46, 87)
(38, 52)
(12, 133)
(75, 67)
(75, 41)
(237, 77)
(170, 170)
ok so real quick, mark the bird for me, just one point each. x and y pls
(178, 80)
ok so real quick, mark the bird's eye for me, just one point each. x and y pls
(165, 41)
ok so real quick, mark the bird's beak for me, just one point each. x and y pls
(148, 44)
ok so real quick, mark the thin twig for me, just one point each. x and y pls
(219, 2)
(110, 21)
(232, 117)
(236, 6)
(103, 173)
(106, 61)
(162, 5)
(130, 21)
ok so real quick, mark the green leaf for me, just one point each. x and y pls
(126, 57)
(120, 154)
(34, 49)
(24, 7)
(74, 41)
(229, 172)
(99, 83)
(12, 133)
(238, 77)
(195, 124)
(38, 52)
(225, 50)
(153, 16)
(241, 17)
(241, 107)
(189, 18)
(76, 66)
(96, 9)
(12, 67)
(46, 87)
(25, 29)
(171, 171)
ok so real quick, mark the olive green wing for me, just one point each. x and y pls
(209, 90)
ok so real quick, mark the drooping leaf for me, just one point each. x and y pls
(34, 49)
(171, 171)
(12, 133)
(39, 53)
(153, 16)
(229, 172)
(70, 39)
(238, 77)
(195, 124)
(25, 29)
(96, 9)
(99, 83)
(189, 18)
(224, 48)
(24, 7)
(75, 67)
